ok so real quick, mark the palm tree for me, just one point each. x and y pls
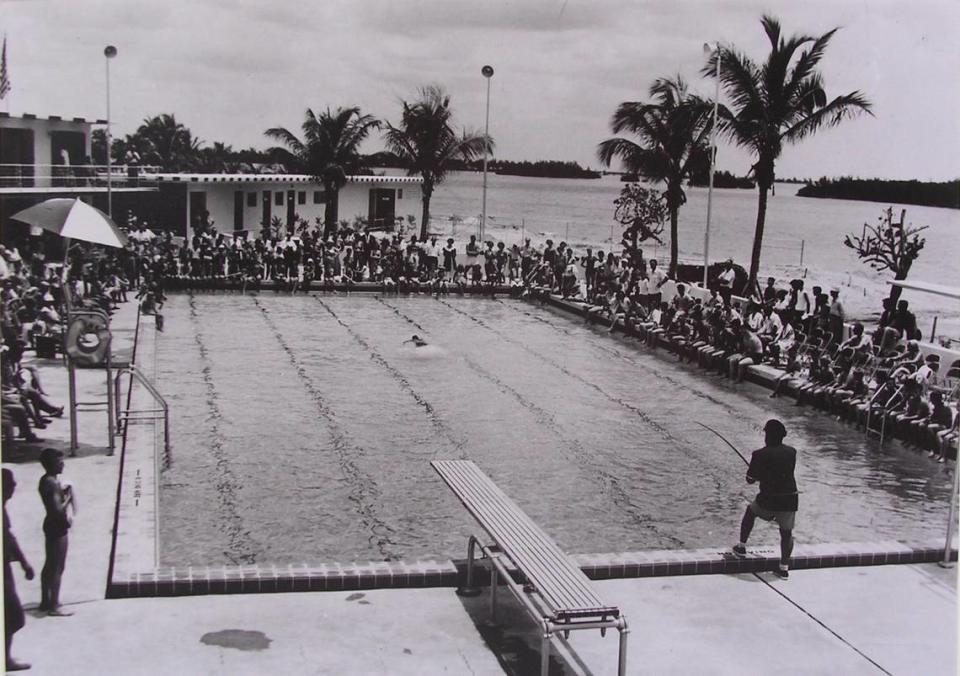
(165, 142)
(782, 100)
(425, 142)
(673, 132)
(329, 151)
(218, 158)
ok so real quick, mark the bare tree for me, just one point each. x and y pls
(889, 246)
(643, 211)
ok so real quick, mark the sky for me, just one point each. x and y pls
(229, 69)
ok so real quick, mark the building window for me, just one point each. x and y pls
(302, 197)
(251, 199)
(399, 193)
(278, 198)
(318, 197)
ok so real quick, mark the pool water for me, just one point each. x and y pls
(303, 427)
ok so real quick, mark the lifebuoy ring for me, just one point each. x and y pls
(88, 338)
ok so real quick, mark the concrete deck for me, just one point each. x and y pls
(901, 619)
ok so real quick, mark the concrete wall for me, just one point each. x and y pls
(354, 201)
(42, 129)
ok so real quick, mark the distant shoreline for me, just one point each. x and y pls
(928, 194)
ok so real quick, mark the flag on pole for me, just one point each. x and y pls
(4, 78)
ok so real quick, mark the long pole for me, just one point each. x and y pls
(724, 440)
(946, 563)
(486, 144)
(109, 143)
(713, 161)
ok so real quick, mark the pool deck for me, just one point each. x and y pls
(901, 619)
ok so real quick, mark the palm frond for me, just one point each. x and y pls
(287, 138)
(806, 63)
(839, 109)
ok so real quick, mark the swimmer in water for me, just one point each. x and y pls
(417, 341)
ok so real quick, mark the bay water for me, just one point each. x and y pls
(803, 236)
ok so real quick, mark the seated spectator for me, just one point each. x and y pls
(941, 418)
(904, 321)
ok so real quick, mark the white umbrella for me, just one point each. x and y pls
(73, 219)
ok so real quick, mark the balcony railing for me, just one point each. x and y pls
(77, 176)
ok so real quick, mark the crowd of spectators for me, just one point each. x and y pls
(788, 328)
(879, 380)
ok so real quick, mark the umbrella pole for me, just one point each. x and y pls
(72, 377)
(71, 372)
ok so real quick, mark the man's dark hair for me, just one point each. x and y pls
(775, 429)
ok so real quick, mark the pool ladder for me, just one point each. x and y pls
(892, 403)
(143, 415)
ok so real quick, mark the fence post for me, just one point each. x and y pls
(801, 252)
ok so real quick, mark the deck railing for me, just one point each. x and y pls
(77, 176)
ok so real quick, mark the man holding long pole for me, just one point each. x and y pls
(773, 467)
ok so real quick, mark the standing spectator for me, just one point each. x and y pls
(432, 255)
(13, 618)
(655, 280)
(837, 314)
(526, 258)
(770, 292)
(472, 251)
(725, 281)
(450, 256)
(56, 499)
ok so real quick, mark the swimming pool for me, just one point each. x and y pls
(303, 428)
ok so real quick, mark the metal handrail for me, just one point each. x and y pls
(123, 418)
(76, 175)
(873, 398)
(891, 404)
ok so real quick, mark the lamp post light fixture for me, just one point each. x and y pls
(109, 52)
(487, 72)
(709, 49)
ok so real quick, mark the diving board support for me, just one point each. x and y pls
(555, 592)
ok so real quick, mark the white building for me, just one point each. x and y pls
(44, 157)
(244, 202)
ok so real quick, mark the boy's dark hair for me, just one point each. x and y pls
(48, 456)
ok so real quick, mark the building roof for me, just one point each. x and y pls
(52, 118)
(273, 178)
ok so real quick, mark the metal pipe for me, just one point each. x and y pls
(469, 589)
(493, 594)
(72, 392)
(110, 404)
(713, 161)
(946, 563)
(109, 52)
(545, 653)
(622, 665)
(487, 72)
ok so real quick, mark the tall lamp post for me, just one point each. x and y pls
(708, 49)
(110, 51)
(487, 72)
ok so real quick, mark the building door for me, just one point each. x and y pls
(16, 156)
(198, 210)
(291, 210)
(238, 210)
(67, 149)
(265, 218)
(382, 208)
